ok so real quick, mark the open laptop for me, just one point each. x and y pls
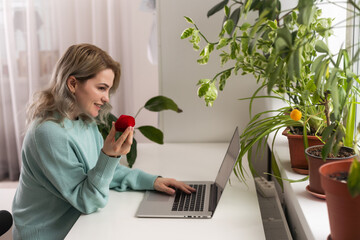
(202, 203)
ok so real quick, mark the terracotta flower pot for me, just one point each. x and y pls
(298, 160)
(314, 176)
(344, 211)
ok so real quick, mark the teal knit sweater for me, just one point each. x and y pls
(64, 174)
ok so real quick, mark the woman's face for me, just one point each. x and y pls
(94, 93)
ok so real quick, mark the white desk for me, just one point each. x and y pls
(237, 215)
(308, 216)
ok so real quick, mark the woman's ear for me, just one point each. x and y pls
(71, 84)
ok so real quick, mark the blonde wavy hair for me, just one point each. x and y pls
(82, 61)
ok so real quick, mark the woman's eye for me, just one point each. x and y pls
(102, 88)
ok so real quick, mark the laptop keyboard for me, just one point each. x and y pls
(190, 202)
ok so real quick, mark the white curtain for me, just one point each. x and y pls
(33, 35)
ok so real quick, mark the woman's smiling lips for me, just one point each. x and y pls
(98, 106)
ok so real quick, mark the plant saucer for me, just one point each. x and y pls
(301, 171)
(318, 195)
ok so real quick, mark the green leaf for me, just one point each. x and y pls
(245, 26)
(202, 81)
(262, 19)
(223, 42)
(305, 139)
(245, 43)
(346, 60)
(203, 60)
(354, 178)
(235, 15)
(327, 147)
(272, 24)
(234, 49)
(206, 53)
(195, 39)
(327, 132)
(271, 63)
(332, 80)
(306, 11)
(203, 89)
(189, 20)
(224, 58)
(187, 33)
(338, 61)
(211, 95)
(202, 53)
(350, 124)
(276, 170)
(229, 26)
(247, 6)
(104, 128)
(280, 45)
(152, 134)
(196, 46)
(335, 95)
(111, 118)
(297, 62)
(320, 46)
(251, 47)
(251, 167)
(319, 73)
(208, 91)
(223, 78)
(227, 11)
(210, 47)
(286, 35)
(131, 156)
(291, 67)
(273, 77)
(160, 103)
(288, 20)
(316, 62)
(217, 8)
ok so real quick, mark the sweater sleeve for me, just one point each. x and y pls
(62, 172)
(126, 178)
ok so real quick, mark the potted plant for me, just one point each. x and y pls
(154, 104)
(289, 58)
(340, 87)
(343, 207)
(298, 161)
(341, 183)
(316, 162)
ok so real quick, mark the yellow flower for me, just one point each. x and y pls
(295, 115)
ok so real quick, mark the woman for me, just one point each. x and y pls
(67, 167)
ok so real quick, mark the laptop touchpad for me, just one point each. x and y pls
(156, 196)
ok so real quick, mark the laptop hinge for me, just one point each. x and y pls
(213, 197)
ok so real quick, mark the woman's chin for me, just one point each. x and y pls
(93, 114)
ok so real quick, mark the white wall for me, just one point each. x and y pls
(179, 73)
(138, 76)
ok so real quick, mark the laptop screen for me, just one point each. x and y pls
(229, 161)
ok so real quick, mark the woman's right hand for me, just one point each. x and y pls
(167, 185)
(121, 146)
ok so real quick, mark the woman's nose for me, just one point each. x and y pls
(105, 98)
